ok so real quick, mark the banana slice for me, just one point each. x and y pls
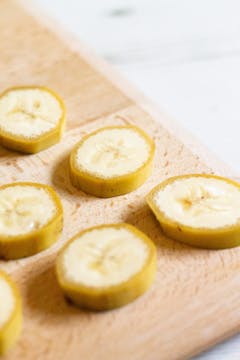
(199, 210)
(107, 266)
(30, 219)
(31, 119)
(112, 161)
(10, 313)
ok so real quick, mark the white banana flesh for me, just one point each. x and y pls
(104, 257)
(24, 209)
(29, 113)
(200, 202)
(113, 152)
(7, 302)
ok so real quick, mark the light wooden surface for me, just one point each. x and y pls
(185, 56)
(185, 311)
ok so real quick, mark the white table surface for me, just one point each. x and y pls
(183, 54)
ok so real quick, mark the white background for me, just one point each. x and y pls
(183, 54)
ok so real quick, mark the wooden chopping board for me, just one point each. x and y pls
(194, 301)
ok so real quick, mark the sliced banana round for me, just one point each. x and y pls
(31, 219)
(10, 313)
(107, 266)
(31, 119)
(198, 209)
(112, 161)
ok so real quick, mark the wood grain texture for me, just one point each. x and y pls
(186, 309)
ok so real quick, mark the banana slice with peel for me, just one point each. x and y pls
(10, 313)
(106, 266)
(31, 118)
(112, 161)
(31, 219)
(198, 209)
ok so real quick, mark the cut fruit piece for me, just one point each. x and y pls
(106, 266)
(31, 119)
(10, 313)
(198, 209)
(31, 219)
(112, 161)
